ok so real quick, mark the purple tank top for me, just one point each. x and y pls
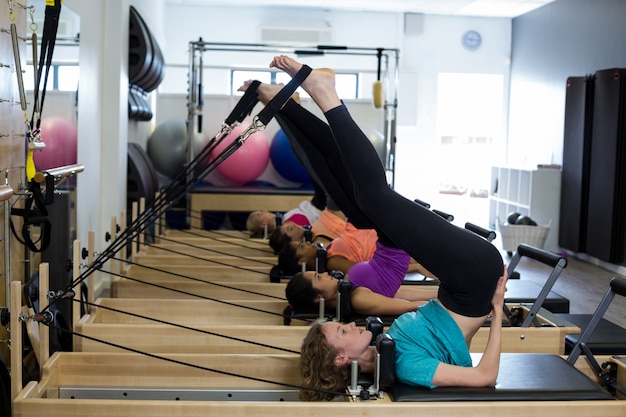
(384, 273)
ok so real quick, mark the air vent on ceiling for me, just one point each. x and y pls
(296, 36)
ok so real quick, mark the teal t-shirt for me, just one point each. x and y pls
(425, 338)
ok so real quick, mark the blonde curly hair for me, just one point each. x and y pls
(318, 369)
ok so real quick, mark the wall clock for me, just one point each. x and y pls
(471, 40)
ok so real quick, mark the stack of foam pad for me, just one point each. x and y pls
(593, 197)
(142, 180)
(145, 67)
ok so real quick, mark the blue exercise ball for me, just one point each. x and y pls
(285, 161)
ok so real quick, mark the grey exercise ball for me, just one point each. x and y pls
(167, 147)
(378, 141)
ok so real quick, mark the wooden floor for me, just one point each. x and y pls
(581, 282)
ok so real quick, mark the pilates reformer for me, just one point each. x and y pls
(118, 384)
(204, 273)
(514, 295)
(188, 312)
(214, 198)
(608, 338)
(210, 244)
(200, 249)
(223, 235)
(127, 287)
(191, 259)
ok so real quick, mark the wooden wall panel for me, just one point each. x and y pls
(12, 145)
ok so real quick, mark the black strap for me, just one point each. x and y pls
(35, 216)
(270, 110)
(48, 39)
(279, 100)
(245, 104)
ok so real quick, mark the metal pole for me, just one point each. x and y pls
(7, 251)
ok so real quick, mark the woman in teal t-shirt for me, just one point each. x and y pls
(433, 342)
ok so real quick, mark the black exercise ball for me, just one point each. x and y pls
(512, 217)
(525, 221)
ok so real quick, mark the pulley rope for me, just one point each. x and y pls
(153, 268)
(206, 249)
(182, 326)
(215, 239)
(188, 293)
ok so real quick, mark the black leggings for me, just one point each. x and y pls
(322, 155)
(467, 265)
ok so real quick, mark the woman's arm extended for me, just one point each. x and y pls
(417, 292)
(486, 372)
(365, 301)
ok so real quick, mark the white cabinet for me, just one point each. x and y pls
(534, 193)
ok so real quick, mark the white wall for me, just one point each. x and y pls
(438, 49)
(102, 120)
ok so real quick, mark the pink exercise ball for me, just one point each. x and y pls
(61, 138)
(248, 162)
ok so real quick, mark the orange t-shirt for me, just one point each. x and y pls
(357, 245)
(328, 225)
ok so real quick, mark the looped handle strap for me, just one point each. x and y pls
(36, 216)
(275, 104)
(245, 105)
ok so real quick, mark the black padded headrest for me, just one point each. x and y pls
(345, 290)
(277, 274)
(386, 347)
(308, 234)
(320, 258)
(375, 325)
(522, 377)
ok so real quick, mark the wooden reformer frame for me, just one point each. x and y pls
(124, 384)
(119, 373)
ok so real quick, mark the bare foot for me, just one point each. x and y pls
(320, 84)
(266, 92)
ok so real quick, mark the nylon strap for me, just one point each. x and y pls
(279, 100)
(244, 105)
(48, 39)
